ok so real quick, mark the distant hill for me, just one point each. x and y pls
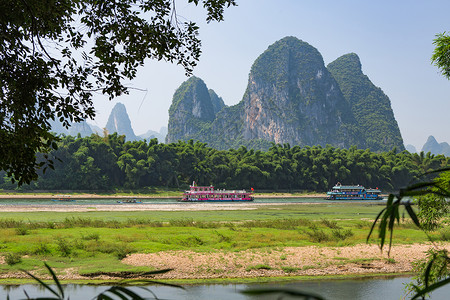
(81, 128)
(291, 97)
(119, 122)
(411, 148)
(161, 135)
(434, 147)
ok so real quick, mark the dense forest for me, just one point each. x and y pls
(110, 162)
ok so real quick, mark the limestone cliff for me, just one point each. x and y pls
(291, 97)
(370, 106)
(119, 122)
(191, 111)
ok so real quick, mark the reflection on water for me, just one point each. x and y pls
(367, 289)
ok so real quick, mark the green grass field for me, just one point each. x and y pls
(97, 241)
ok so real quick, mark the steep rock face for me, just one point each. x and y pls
(434, 147)
(292, 98)
(216, 101)
(119, 122)
(370, 106)
(192, 110)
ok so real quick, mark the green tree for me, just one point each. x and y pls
(55, 54)
(441, 54)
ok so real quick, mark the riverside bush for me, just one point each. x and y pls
(330, 224)
(64, 247)
(340, 234)
(12, 259)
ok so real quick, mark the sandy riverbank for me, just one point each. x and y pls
(358, 260)
(138, 207)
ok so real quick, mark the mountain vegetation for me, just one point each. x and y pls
(370, 106)
(291, 97)
(111, 162)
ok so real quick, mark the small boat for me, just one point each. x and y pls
(209, 194)
(129, 201)
(63, 198)
(353, 192)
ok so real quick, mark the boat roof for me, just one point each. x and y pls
(348, 187)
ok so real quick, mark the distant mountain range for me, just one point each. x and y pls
(434, 147)
(291, 97)
(118, 121)
(411, 148)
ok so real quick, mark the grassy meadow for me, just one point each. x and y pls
(94, 242)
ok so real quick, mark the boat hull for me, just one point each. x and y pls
(215, 200)
(354, 198)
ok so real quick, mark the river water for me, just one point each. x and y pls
(109, 201)
(361, 289)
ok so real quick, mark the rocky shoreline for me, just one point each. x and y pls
(358, 260)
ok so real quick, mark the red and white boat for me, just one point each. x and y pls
(209, 194)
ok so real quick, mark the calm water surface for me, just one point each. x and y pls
(110, 201)
(367, 289)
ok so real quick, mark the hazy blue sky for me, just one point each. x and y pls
(392, 38)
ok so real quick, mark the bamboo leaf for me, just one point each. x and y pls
(374, 224)
(412, 214)
(290, 292)
(55, 279)
(118, 290)
(431, 288)
(46, 286)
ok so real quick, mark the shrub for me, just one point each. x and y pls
(41, 249)
(330, 224)
(64, 247)
(444, 234)
(51, 225)
(21, 231)
(288, 269)
(13, 258)
(318, 235)
(259, 267)
(182, 223)
(222, 238)
(340, 234)
(278, 224)
(122, 251)
(93, 236)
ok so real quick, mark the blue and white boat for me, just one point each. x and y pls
(353, 192)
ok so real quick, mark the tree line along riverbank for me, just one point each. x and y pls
(110, 163)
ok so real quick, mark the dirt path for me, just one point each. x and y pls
(139, 207)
